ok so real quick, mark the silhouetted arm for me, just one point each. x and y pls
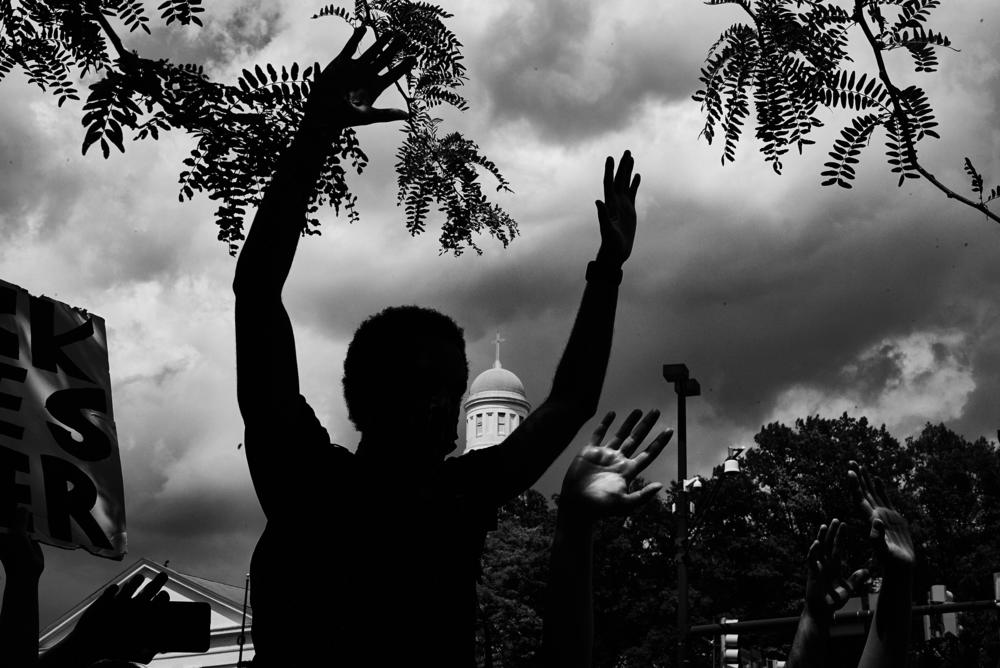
(826, 592)
(267, 372)
(889, 635)
(23, 563)
(595, 486)
(576, 388)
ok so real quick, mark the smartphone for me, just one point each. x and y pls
(179, 626)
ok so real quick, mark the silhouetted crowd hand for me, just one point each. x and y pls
(597, 482)
(889, 635)
(827, 590)
(348, 87)
(595, 486)
(116, 626)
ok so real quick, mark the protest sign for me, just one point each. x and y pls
(58, 445)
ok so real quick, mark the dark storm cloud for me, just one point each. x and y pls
(575, 69)
(206, 511)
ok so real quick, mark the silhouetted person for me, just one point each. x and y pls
(595, 486)
(23, 563)
(371, 558)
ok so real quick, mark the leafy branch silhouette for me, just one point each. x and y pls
(792, 58)
(241, 128)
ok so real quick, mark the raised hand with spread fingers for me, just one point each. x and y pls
(890, 534)
(347, 88)
(889, 635)
(595, 486)
(597, 482)
(827, 591)
(115, 626)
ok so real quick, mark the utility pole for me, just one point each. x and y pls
(684, 386)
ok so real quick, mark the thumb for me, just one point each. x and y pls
(856, 580)
(644, 495)
(602, 214)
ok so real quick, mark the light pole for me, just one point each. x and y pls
(685, 387)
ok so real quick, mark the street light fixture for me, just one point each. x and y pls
(732, 463)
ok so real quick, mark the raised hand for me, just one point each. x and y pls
(347, 88)
(826, 589)
(890, 534)
(115, 626)
(596, 484)
(616, 214)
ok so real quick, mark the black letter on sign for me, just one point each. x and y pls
(65, 406)
(8, 339)
(12, 493)
(46, 345)
(70, 493)
(11, 402)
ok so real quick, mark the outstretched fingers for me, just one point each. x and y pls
(130, 587)
(352, 45)
(401, 69)
(392, 49)
(623, 178)
(646, 457)
(634, 188)
(880, 493)
(374, 52)
(602, 429)
(625, 429)
(639, 433)
(152, 587)
(860, 488)
(609, 181)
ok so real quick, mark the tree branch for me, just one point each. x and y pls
(900, 116)
(95, 7)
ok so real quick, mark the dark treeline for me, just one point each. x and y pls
(747, 550)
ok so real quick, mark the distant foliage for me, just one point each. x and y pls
(241, 128)
(791, 59)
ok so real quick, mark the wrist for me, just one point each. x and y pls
(609, 258)
(604, 271)
(822, 618)
(574, 520)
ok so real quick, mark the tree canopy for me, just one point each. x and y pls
(240, 127)
(748, 540)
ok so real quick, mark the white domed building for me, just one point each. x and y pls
(496, 405)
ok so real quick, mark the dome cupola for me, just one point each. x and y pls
(496, 405)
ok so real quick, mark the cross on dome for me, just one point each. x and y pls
(498, 341)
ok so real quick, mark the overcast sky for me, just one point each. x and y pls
(784, 298)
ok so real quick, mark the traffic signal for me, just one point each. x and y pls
(730, 645)
(938, 625)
